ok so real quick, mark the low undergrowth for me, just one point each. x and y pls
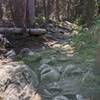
(85, 41)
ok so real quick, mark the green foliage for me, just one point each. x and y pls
(86, 40)
(40, 20)
(88, 12)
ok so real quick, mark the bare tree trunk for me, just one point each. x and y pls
(64, 5)
(97, 67)
(57, 10)
(44, 8)
(47, 9)
(30, 12)
(23, 12)
(1, 10)
(18, 10)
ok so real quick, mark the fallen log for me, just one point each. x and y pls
(37, 31)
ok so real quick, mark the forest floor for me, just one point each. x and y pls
(65, 56)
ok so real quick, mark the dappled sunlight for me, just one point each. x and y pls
(67, 48)
(36, 97)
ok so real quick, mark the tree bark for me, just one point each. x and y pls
(1, 10)
(23, 12)
(97, 67)
(57, 10)
(31, 12)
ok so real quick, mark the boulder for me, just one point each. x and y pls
(18, 82)
(26, 52)
(48, 73)
(60, 98)
(11, 54)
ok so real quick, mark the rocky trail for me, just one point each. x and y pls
(46, 70)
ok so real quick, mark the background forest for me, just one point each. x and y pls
(56, 10)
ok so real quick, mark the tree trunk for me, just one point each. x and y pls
(23, 12)
(18, 11)
(57, 10)
(97, 67)
(44, 8)
(1, 10)
(31, 13)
